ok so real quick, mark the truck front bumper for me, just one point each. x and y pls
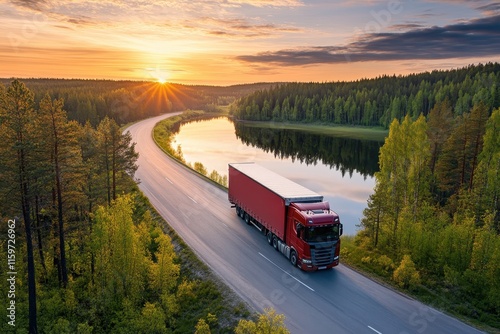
(312, 267)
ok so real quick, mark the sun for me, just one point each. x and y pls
(158, 74)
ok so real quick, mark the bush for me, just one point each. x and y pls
(385, 263)
(270, 322)
(406, 275)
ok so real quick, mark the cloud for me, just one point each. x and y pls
(31, 4)
(490, 9)
(269, 3)
(474, 38)
(242, 28)
(406, 26)
(209, 18)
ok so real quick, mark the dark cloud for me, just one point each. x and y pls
(31, 4)
(475, 38)
(492, 7)
(405, 26)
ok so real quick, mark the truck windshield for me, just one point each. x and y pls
(322, 233)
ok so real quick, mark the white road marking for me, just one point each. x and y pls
(169, 180)
(295, 278)
(192, 199)
(373, 329)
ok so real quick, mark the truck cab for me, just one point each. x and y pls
(313, 236)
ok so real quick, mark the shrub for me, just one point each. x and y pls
(406, 275)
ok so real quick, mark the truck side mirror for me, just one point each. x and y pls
(341, 229)
(298, 228)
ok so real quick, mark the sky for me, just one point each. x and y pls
(225, 42)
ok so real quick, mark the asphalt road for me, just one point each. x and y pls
(335, 301)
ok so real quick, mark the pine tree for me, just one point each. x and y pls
(487, 183)
(440, 124)
(62, 146)
(20, 167)
(456, 167)
(117, 154)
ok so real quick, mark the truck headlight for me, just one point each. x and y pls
(336, 258)
(306, 261)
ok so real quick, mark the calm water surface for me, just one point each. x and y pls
(214, 144)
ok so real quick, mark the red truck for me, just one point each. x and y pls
(296, 220)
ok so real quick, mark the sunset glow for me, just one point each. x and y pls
(241, 41)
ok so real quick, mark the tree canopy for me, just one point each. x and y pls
(374, 102)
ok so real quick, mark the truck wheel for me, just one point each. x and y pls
(270, 237)
(275, 242)
(293, 258)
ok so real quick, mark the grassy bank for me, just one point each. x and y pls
(163, 133)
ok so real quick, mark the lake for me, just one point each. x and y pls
(339, 168)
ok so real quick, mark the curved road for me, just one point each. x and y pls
(334, 301)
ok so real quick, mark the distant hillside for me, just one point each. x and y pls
(374, 102)
(127, 101)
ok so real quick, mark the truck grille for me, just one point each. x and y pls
(322, 256)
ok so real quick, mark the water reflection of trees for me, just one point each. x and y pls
(344, 154)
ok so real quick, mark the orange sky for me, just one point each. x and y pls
(225, 42)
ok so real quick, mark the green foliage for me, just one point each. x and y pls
(84, 328)
(435, 207)
(374, 102)
(152, 320)
(123, 272)
(220, 179)
(164, 272)
(269, 322)
(198, 166)
(406, 275)
(402, 185)
(116, 155)
(61, 326)
(202, 327)
(487, 180)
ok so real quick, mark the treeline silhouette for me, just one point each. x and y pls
(344, 154)
(128, 101)
(374, 102)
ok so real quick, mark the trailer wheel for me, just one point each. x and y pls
(247, 218)
(275, 242)
(269, 237)
(238, 210)
(293, 258)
